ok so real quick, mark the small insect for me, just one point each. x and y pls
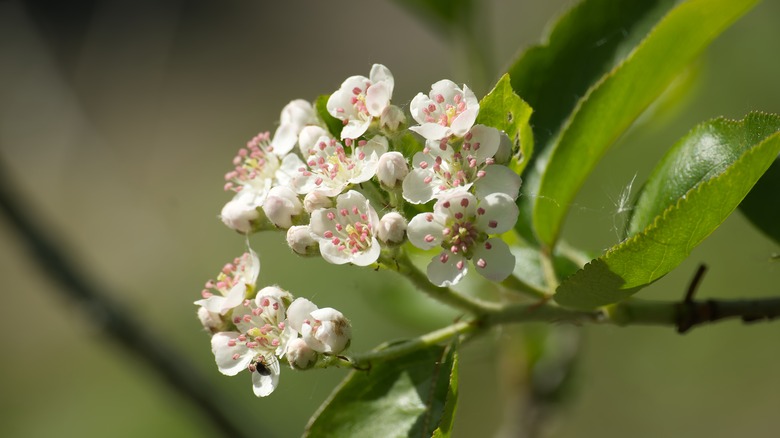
(261, 368)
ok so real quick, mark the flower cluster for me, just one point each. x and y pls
(325, 173)
(324, 176)
(253, 330)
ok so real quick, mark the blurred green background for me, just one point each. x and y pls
(118, 120)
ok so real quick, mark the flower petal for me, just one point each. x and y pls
(500, 214)
(299, 311)
(488, 138)
(264, 383)
(365, 258)
(230, 359)
(447, 272)
(493, 259)
(498, 179)
(432, 131)
(378, 98)
(355, 128)
(415, 189)
(425, 230)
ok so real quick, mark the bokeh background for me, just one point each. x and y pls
(118, 120)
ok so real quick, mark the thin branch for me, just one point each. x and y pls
(630, 312)
(116, 321)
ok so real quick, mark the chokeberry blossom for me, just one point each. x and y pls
(442, 168)
(447, 111)
(325, 330)
(361, 99)
(461, 225)
(331, 166)
(257, 168)
(261, 335)
(347, 233)
(295, 116)
(235, 282)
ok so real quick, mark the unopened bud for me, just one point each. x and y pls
(391, 169)
(281, 205)
(239, 215)
(315, 201)
(300, 241)
(392, 228)
(392, 118)
(331, 332)
(300, 355)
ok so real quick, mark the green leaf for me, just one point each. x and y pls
(506, 111)
(761, 205)
(444, 15)
(612, 104)
(741, 153)
(451, 403)
(589, 39)
(414, 395)
(334, 125)
(585, 43)
(705, 152)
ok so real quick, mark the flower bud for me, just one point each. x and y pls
(315, 201)
(392, 118)
(239, 215)
(300, 355)
(392, 228)
(324, 330)
(281, 205)
(392, 169)
(329, 332)
(299, 239)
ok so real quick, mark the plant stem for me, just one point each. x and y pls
(426, 340)
(551, 278)
(517, 285)
(683, 316)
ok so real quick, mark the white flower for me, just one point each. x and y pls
(239, 213)
(347, 233)
(392, 228)
(295, 115)
(300, 241)
(441, 168)
(330, 166)
(257, 168)
(261, 335)
(236, 280)
(446, 111)
(324, 330)
(391, 169)
(460, 225)
(361, 99)
(281, 206)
